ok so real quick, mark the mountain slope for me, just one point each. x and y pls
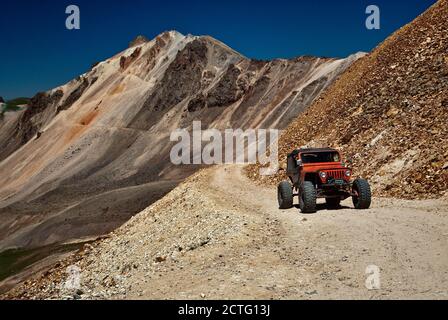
(86, 156)
(389, 112)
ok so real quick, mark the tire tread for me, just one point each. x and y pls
(285, 195)
(364, 194)
(307, 197)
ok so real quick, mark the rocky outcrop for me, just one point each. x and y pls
(126, 61)
(228, 90)
(32, 121)
(138, 41)
(84, 83)
(41, 109)
(24, 125)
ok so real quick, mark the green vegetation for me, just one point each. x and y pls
(18, 101)
(14, 261)
(13, 105)
(6, 107)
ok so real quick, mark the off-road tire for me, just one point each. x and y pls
(364, 198)
(285, 195)
(307, 197)
(333, 203)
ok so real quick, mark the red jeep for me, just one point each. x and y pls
(320, 173)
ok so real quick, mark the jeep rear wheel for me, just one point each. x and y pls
(284, 195)
(362, 196)
(307, 197)
(333, 203)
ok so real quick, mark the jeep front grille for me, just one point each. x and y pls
(336, 174)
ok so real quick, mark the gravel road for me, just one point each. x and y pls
(220, 236)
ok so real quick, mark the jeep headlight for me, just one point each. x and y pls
(323, 174)
(348, 173)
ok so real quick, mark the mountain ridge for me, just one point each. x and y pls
(85, 156)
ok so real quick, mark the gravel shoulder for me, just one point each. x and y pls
(220, 236)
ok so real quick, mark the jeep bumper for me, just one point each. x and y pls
(338, 189)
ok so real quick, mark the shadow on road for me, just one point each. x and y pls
(323, 206)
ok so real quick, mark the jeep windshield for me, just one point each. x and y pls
(316, 157)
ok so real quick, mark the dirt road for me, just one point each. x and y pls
(220, 236)
(325, 255)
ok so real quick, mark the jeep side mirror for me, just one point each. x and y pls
(299, 163)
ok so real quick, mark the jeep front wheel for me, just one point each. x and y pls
(285, 195)
(362, 196)
(307, 197)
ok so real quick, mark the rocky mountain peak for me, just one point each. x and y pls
(140, 39)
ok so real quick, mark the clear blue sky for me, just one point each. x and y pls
(38, 53)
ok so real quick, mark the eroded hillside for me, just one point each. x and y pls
(388, 112)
